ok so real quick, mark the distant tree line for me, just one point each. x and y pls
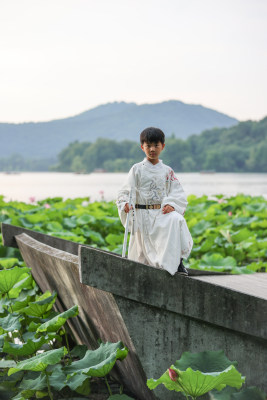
(17, 163)
(241, 148)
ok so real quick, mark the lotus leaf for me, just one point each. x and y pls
(9, 277)
(54, 226)
(79, 351)
(70, 223)
(241, 235)
(113, 240)
(204, 361)
(40, 362)
(120, 397)
(11, 322)
(256, 207)
(76, 381)
(26, 282)
(259, 224)
(85, 219)
(4, 303)
(240, 221)
(197, 383)
(33, 326)
(95, 237)
(34, 384)
(41, 306)
(25, 223)
(40, 395)
(218, 260)
(99, 362)
(7, 363)
(58, 321)
(7, 263)
(25, 349)
(58, 377)
(68, 236)
(24, 395)
(200, 228)
(21, 301)
(241, 270)
(199, 373)
(85, 388)
(262, 243)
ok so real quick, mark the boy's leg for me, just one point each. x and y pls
(181, 269)
(135, 251)
(172, 241)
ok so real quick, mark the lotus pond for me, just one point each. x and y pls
(230, 233)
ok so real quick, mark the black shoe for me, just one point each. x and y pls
(182, 270)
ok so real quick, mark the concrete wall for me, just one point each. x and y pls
(166, 316)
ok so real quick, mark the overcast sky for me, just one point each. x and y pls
(61, 57)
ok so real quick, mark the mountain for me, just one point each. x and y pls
(118, 121)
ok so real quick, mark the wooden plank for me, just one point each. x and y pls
(9, 232)
(99, 316)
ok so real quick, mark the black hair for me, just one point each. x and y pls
(152, 135)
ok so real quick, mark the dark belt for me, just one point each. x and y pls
(148, 206)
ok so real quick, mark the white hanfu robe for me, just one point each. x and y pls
(157, 239)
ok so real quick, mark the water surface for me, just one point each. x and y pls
(40, 185)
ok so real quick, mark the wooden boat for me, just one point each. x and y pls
(157, 316)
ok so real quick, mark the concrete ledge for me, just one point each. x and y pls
(190, 297)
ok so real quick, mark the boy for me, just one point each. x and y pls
(159, 234)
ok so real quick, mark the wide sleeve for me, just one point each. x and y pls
(124, 194)
(175, 195)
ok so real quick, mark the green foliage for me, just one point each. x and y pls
(17, 162)
(40, 362)
(99, 362)
(206, 361)
(24, 349)
(104, 153)
(120, 397)
(9, 277)
(54, 324)
(230, 234)
(34, 362)
(240, 148)
(199, 373)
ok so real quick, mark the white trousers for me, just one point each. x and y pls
(163, 244)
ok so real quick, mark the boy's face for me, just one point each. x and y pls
(152, 151)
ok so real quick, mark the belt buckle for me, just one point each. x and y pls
(151, 207)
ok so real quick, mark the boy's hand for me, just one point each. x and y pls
(167, 209)
(126, 208)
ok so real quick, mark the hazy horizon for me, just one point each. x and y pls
(63, 57)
